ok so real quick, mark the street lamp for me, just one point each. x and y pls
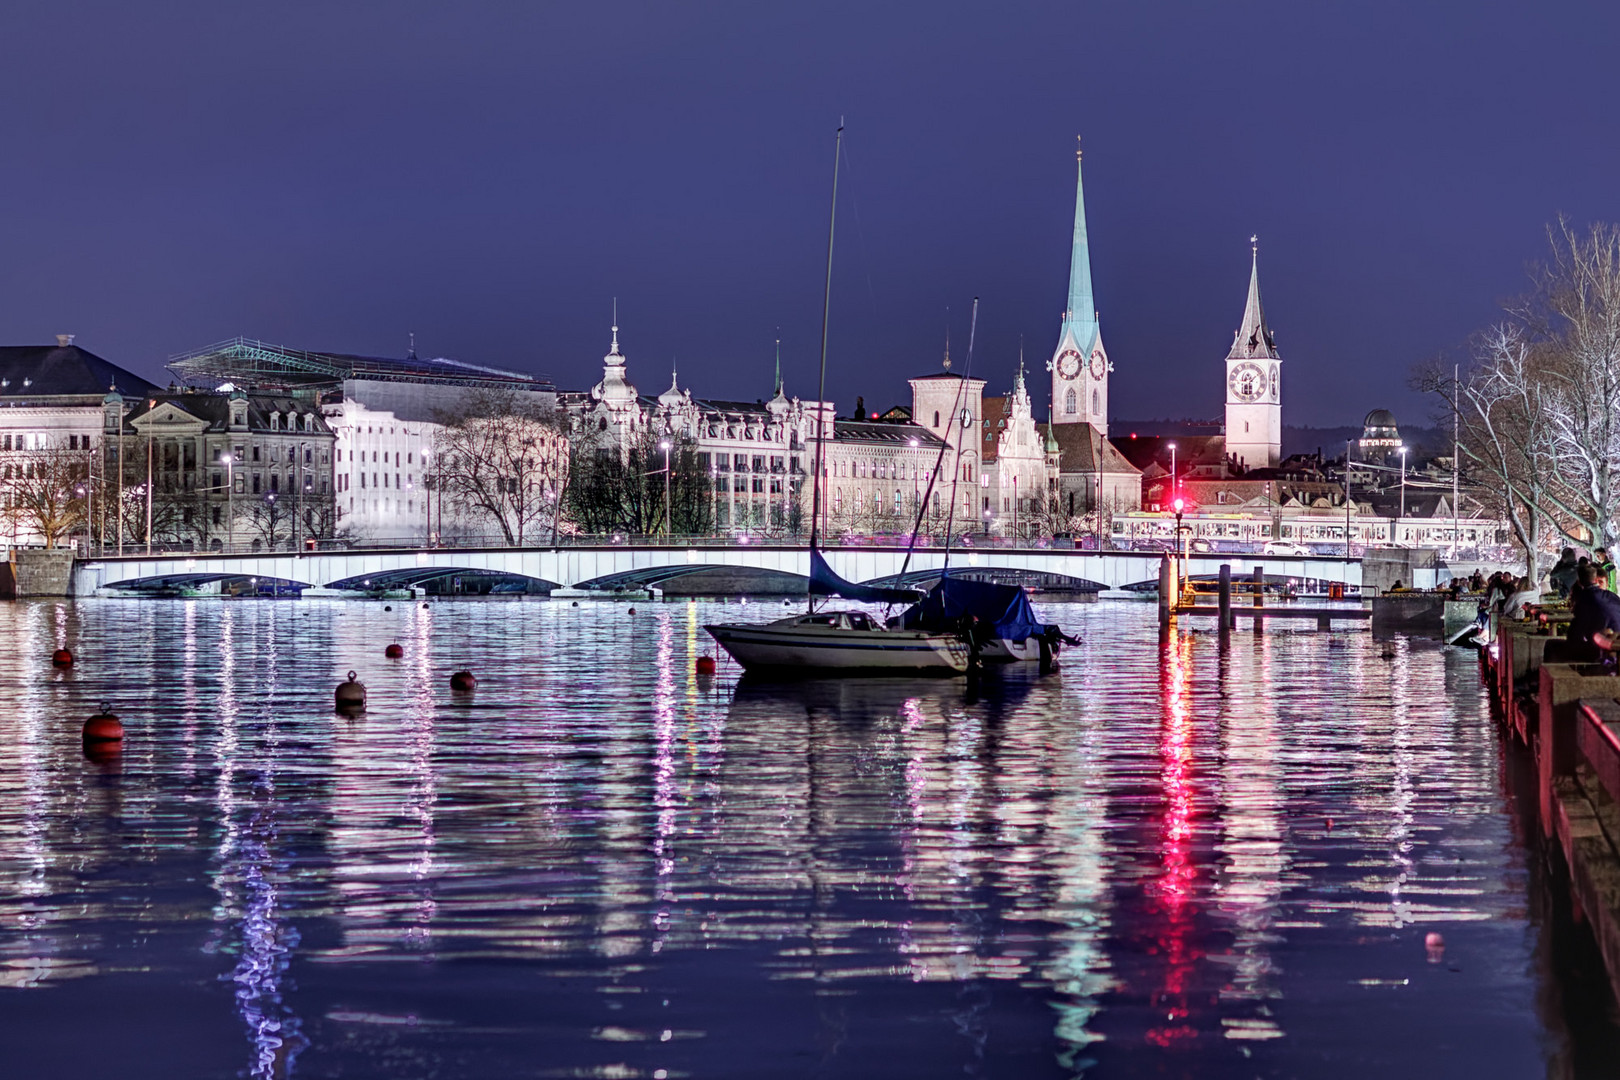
(664, 446)
(230, 501)
(80, 492)
(270, 503)
(1403, 484)
(1347, 503)
(1178, 505)
(1175, 488)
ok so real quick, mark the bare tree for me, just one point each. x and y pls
(1539, 405)
(45, 493)
(619, 487)
(504, 458)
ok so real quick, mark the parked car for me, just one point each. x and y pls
(1285, 548)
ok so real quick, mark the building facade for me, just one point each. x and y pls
(208, 471)
(51, 428)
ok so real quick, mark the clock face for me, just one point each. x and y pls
(967, 417)
(1099, 364)
(1068, 363)
(1247, 382)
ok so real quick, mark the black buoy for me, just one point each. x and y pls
(576, 603)
(462, 681)
(388, 607)
(351, 694)
(632, 611)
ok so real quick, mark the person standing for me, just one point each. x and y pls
(1561, 578)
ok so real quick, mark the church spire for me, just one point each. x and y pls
(1254, 339)
(778, 387)
(1081, 316)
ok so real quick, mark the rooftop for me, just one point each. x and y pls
(63, 370)
(258, 364)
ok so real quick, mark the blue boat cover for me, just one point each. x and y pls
(1005, 609)
(823, 582)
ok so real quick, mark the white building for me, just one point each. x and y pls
(384, 414)
(1254, 385)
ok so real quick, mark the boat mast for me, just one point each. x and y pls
(821, 387)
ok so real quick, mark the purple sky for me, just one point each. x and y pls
(335, 175)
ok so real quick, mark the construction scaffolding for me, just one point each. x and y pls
(260, 366)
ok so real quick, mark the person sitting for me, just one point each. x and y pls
(1595, 610)
(1524, 593)
(1603, 566)
(1561, 578)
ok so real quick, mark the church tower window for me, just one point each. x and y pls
(1096, 403)
(1069, 404)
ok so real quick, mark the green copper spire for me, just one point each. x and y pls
(1081, 316)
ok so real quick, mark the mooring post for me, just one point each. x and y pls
(1164, 590)
(1259, 596)
(1224, 597)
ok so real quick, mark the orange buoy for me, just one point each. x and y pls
(705, 665)
(62, 658)
(350, 694)
(103, 727)
(394, 651)
(462, 681)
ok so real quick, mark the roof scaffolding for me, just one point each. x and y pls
(259, 365)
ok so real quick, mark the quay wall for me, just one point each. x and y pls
(1567, 715)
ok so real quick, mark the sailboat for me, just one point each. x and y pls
(839, 641)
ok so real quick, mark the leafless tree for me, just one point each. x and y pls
(45, 493)
(503, 458)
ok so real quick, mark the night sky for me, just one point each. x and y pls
(336, 175)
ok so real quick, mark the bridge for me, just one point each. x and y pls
(609, 567)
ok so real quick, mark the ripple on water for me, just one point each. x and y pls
(601, 864)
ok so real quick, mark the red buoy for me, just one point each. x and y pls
(62, 658)
(705, 665)
(462, 681)
(103, 727)
(394, 651)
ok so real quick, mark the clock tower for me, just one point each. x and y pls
(1079, 365)
(1254, 384)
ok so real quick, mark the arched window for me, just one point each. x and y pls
(936, 418)
(601, 424)
(1096, 403)
(1069, 402)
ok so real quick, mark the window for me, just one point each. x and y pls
(759, 486)
(1096, 406)
(739, 462)
(275, 482)
(1069, 402)
(255, 483)
(255, 455)
(936, 418)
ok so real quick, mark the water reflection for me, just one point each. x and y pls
(1183, 854)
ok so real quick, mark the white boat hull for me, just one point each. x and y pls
(774, 646)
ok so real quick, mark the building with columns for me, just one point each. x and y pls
(1254, 385)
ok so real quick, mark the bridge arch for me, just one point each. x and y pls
(209, 584)
(1024, 578)
(702, 579)
(446, 581)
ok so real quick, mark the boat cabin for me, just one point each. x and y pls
(839, 620)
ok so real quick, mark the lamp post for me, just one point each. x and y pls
(270, 515)
(1175, 488)
(80, 491)
(664, 446)
(230, 501)
(1403, 488)
(1347, 503)
(1178, 505)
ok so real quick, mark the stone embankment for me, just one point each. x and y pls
(1568, 715)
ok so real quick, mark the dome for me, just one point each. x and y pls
(1379, 418)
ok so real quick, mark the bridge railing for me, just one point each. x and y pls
(965, 543)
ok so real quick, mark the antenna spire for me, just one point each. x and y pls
(615, 349)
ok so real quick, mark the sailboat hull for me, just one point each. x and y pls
(779, 647)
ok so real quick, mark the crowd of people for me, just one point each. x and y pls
(1587, 583)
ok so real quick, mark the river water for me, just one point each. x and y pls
(1172, 858)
